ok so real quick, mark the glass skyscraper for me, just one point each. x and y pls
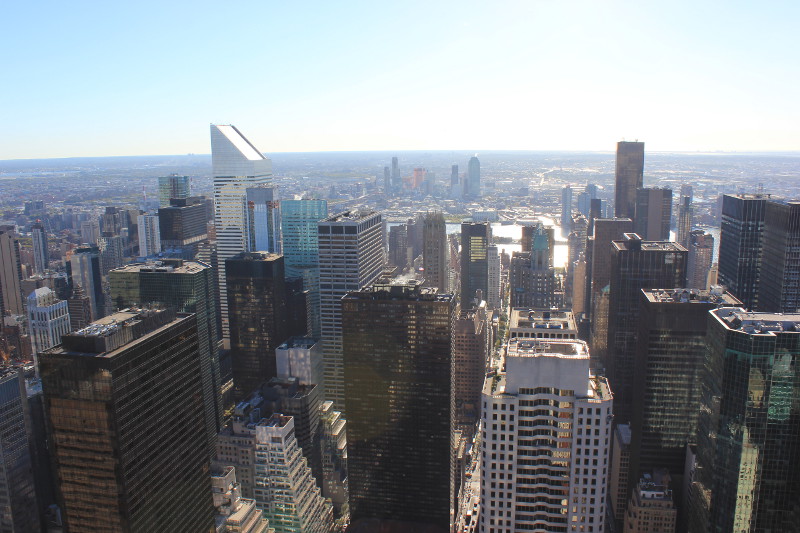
(301, 250)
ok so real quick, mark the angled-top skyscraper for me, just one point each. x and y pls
(236, 165)
(629, 176)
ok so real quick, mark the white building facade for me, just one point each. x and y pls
(149, 235)
(493, 296)
(545, 443)
(48, 319)
(236, 165)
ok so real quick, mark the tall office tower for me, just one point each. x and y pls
(473, 178)
(19, 510)
(668, 372)
(620, 472)
(285, 489)
(301, 358)
(397, 377)
(629, 176)
(576, 242)
(112, 253)
(48, 319)
(111, 222)
(741, 246)
(653, 214)
(173, 187)
(652, 507)
(636, 265)
(80, 309)
(398, 246)
(546, 414)
(701, 250)
(453, 177)
(535, 231)
(121, 400)
(264, 219)
(747, 449)
(90, 231)
(471, 348)
(779, 287)
(10, 273)
(532, 278)
(566, 211)
(585, 198)
(414, 234)
(40, 256)
(257, 300)
(493, 284)
(84, 270)
(602, 253)
(475, 240)
(685, 213)
(351, 256)
(434, 250)
(33, 208)
(397, 183)
(183, 223)
(301, 251)
(149, 235)
(236, 165)
(387, 181)
(188, 287)
(234, 513)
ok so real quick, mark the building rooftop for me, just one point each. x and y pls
(350, 216)
(399, 290)
(716, 295)
(298, 342)
(522, 317)
(521, 347)
(240, 142)
(177, 266)
(738, 319)
(633, 242)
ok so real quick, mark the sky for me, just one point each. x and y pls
(146, 78)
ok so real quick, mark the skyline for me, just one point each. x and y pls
(527, 76)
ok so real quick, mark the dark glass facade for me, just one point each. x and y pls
(397, 369)
(636, 265)
(629, 176)
(186, 287)
(779, 286)
(183, 223)
(124, 408)
(258, 317)
(475, 239)
(740, 246)
(749, 435)
(653, 214)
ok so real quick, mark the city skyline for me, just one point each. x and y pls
(482, 76)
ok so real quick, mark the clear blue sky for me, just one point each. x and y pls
(128, 78)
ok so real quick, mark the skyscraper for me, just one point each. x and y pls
(668, 371)
(685, 213)
(748, 447)
(701, 248)
(532, 278)
(18, 508)
(779, 286)
(475, 240)
(183, 223)
(653, 214)
(434, 251)
(301, 250)
(472, 181)
(121, 400)
(188, 287)
(173, 186)
(264, 219)
(48, 319)
(566, 210)
(351, 256)
(84, 270)
(257, 299)
(636, 265)
(149, 235)
(397, 368)
(40, 256)
(493, 281)
(629, 176)
(741, 246)
(397, 184)
(10, 273)
(471, 346)
(236, 165)
(545, 453)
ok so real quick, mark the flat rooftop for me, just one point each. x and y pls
(522, 317)
(716, 295)
(177, 266)
(349, 216)
(298, 342)
(522, 347)
(410, 290)
(738, 319)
